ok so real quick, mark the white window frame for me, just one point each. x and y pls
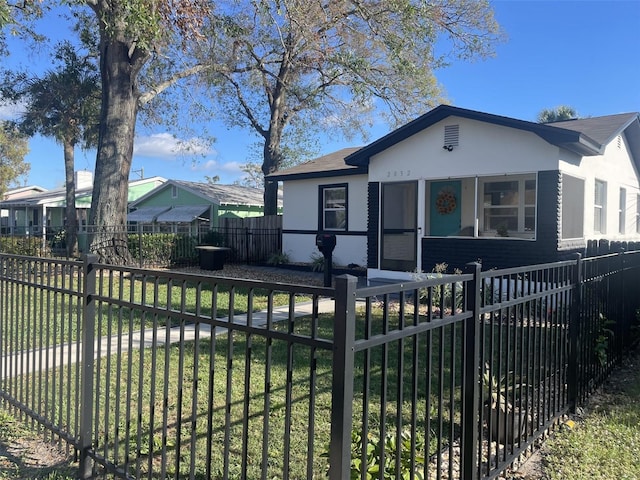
(622, 211)
(600, 206)
(521, 205)
(637, 213)
(335, 207)
(174, 191)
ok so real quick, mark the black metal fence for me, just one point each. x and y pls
(158, 374)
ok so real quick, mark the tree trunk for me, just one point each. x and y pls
(71, 221)
(271, 163)
(120, 63)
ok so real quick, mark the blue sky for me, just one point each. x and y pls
(582, 53)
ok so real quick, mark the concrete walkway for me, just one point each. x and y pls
(57, 356)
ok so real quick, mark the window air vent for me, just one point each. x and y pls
(451, 135)
(619, 141)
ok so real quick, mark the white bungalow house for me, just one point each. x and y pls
(458, 185)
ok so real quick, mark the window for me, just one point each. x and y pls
(637, 213)
(599, 207)
(510, 207)
(333, 199)
(622, 218)
(174, 191)
(572, 204)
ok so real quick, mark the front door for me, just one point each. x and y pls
(399, 226)
(444, 210)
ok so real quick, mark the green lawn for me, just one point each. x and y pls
(606, 444)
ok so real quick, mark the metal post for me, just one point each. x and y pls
(328, 268)
(342, 383)
(575, 317)
(471, 377)
(87, 374)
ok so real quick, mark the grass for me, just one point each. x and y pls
(606, 444)
(161, 387)
(49, 315)
(21, 453)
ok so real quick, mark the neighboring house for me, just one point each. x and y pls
(458, 185)
(38, 212)
(14, 194)
(190, 207)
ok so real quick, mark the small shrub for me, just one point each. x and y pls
(605, 334)
(317, 262)
(278, 258)
(373, 448)
(441, 296)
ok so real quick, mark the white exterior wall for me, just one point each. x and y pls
(616, 168)
(300, 213)
(484, 149)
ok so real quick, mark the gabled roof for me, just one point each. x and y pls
(214, 193)
(577, 140)
(330, 165)
(604, 129)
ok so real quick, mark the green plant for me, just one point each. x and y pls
(440, 296)
(411, 457)
(605, 334)
(317, 262)
(498, 409)
(278, 258)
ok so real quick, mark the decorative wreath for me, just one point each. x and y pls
(446, 202)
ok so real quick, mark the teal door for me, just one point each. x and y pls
(444, 208)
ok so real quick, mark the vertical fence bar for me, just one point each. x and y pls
(342, 383)
(88, 338)
(574, 329)
(471, 378)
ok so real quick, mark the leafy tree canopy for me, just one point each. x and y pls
(330, 66)
(13, 149)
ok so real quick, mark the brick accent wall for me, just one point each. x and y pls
(373, 224)
(504, 253)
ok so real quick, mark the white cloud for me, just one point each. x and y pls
(204, 167)
(167, 145)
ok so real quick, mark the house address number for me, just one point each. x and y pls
(398, 173)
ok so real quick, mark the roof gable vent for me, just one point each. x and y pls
(451, 136)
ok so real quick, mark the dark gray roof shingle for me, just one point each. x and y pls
(332, 164)
(601, 129)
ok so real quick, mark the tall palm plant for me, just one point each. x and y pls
(63, 104)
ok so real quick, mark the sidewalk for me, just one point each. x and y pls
(56, 356)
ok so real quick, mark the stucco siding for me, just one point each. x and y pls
(616, 168)
(301, 247)
(301, 212)
(300, 202)
(484, 149)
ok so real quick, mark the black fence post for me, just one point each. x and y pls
(342, 382)
(87, 375)
(573, 373)
(471, 380)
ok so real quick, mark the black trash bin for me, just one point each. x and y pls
(212, 258)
